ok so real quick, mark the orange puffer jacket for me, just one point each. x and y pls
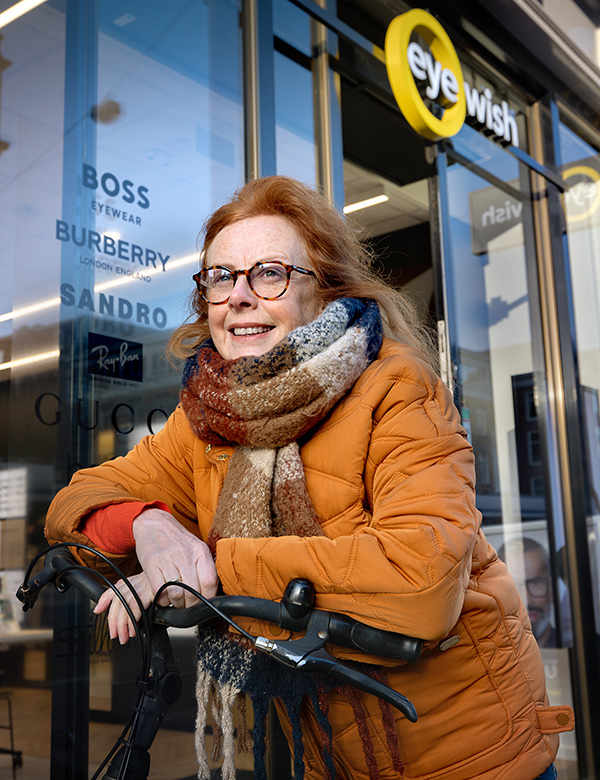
(391, 476)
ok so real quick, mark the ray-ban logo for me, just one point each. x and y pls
(116, 358)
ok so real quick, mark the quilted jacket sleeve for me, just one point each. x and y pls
(159, 468)
(406, 565)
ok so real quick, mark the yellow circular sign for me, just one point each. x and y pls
(594, 201)
(441, 65)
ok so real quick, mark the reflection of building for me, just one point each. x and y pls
(4, 64)
(591, 420)
(523, 428)
(478, 398)
(529, 454)
(122, 129)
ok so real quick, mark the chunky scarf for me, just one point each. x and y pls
(264, 405)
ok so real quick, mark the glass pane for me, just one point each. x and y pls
(294, 93)
(295, 127)
(488, 278)
(581, 169)
(121, 128)
(292, 25)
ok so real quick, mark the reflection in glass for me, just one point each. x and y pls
(581, 170)
(535, 584)
(294, 117)
(120, 130)
(488, 273)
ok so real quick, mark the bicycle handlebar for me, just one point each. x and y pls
(343, 630)
(291, 614)
(295, 612)
(160, 683)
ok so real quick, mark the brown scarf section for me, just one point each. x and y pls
(264, 495)
(264, 404)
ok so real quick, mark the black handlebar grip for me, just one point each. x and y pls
(84, 580)
(345, 631)
(292, 613)
(240, 606)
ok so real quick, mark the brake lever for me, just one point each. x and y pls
(308, 654)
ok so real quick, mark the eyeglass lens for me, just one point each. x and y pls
(537, 586)
(269, 280)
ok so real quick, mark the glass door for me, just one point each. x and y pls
(493, 323)
(121, 129)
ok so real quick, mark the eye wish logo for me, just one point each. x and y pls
(115, 358)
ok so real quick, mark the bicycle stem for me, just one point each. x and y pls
(159, 692)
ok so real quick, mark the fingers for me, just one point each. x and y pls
(183, 559)
(172, 595)
(167, 551)
(120, 624)
(199, 573)
(191, 563)
(104, 602)
(175, 595)
(206, 573)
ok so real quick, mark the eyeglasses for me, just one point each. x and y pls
(268, 280)
(538, 586)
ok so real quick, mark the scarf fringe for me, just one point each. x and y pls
(222, 699)
(263, 681)
(389, 726)
(264, 405)
(223, 703)
(244, 739)
(203, 692)
(321, 709)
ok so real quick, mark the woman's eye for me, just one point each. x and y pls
(221, 278)
(271, 273)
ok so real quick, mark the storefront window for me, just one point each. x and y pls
(292, 26)
(295, 135)
(295, 127)
(489, 270)
(581, 170)
(121, 129)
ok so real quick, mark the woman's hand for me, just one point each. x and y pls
(119, 622)
(166, 552)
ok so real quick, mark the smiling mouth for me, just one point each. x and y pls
(251, 331)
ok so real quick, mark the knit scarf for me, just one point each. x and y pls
(265, 405)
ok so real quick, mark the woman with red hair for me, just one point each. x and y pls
(315, 439)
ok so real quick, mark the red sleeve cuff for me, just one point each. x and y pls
(110, 527)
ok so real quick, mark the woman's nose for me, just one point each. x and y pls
(242, 295)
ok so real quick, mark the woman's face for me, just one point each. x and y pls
(247, 325)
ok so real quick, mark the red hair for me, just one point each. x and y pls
(342, 264)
